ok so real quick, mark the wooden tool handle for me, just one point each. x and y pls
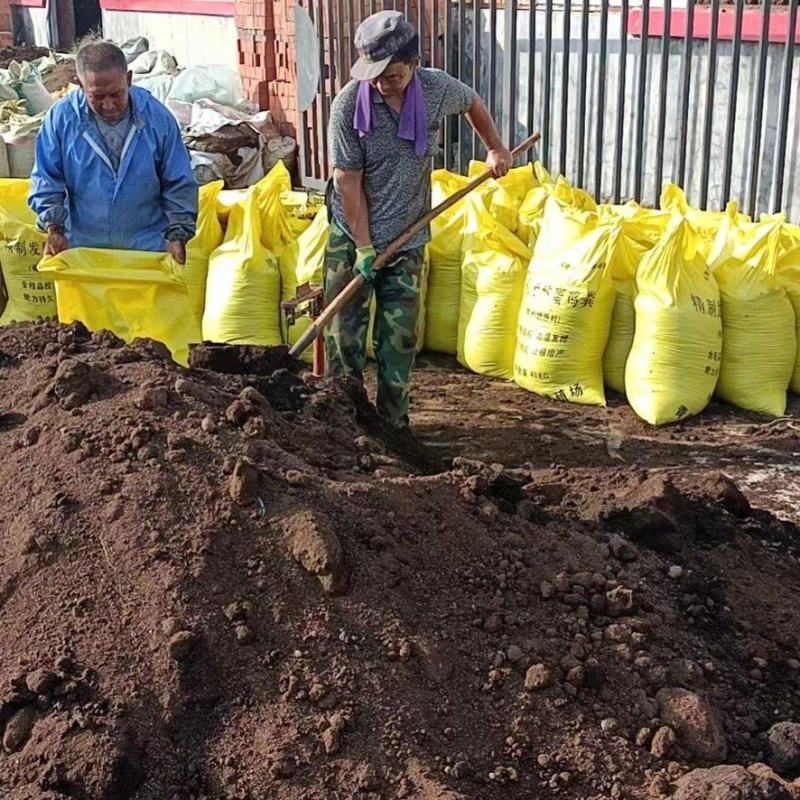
(423, 222)
(352, 288)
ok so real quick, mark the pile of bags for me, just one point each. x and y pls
(228, 138)
(527, 279)
(669, 306)
(24, 100)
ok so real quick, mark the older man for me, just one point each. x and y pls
(111, 170)
(384, 128)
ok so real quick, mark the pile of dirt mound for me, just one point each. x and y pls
(230, 584)
(62, 75)
(24, 53)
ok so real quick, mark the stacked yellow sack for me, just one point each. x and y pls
(674, 362)
(302, 262)
(788, 271)
(620, 339)
(227, 199)
(505, 195)
(705, 223)
(532, 207)
(492, 281)
(207, 238)
(276, 225)
(134, 294)
(567, 304)
(31, 296)
(640, 229)
(448, 232)
(243, 288)
(758, 322)
(302, 209)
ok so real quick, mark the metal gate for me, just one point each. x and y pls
(628, 95)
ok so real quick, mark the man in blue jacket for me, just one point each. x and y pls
(111, 170)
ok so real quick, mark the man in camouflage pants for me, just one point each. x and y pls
(384, 130)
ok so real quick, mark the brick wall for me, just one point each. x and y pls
(6, 35)
(265, 30)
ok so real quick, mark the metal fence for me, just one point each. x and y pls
(628, 96)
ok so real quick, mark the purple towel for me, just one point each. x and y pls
(413, 116)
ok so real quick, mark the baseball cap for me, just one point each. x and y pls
(378, 39)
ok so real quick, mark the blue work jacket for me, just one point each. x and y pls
(127, 209)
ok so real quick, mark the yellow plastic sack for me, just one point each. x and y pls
(31, 296)
(3, 294)
(243, 288)
(640, 229)
(227, 199)
(620, 337)
(566, 309)
(674, 362)
(134, 294)
(505, 195)
(705, 223)
(303, 262)
(531, 211)
(302, 208)
(207, 238)
(275, 196)
(276, 227)
(445, 250)
(644, 226)
(492, 281)
(758, 322)
(788, 271)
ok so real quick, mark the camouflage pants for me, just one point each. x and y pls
(396, 289)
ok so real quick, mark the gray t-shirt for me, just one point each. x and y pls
(114, 135)
(396, 179)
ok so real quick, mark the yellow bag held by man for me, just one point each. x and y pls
(132, 293)
(566, 309)
(445, 251)
(673, 365)
(243, 289)
(207, 238)
(31, 296)
(758, 322)
(788, 271)
(492, 281)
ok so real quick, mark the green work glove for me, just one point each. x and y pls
(365, 256)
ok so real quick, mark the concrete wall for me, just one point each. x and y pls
(743, 142)
(191, 38)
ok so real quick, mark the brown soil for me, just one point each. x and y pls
(62, 75)
(9, 54)
(231, 585)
